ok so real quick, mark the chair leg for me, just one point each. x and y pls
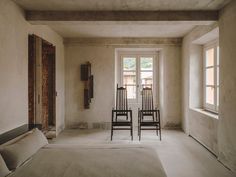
(139, 132)
(159, 116)
(157, 129)
(111, 132)
(139, 127)
(160, 132)
(131, 132)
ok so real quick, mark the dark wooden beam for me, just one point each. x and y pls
(122, 15)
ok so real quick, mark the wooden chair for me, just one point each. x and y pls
(121, 110)
(148, 111)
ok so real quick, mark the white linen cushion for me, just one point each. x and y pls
(17, 153)
(3, 168)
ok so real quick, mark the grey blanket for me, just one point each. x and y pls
(91, 161)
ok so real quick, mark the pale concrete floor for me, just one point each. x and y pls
(181, 156)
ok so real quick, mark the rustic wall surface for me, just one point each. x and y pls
(196, 123)
(227, 111)
(14, 32)
(102, 58)
(217, 134)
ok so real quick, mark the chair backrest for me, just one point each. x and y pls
(147, 99)
(121, 98)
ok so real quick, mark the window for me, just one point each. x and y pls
(130, 76)
(137, 71)
(211, 77)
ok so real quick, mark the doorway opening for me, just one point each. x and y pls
(41, 84)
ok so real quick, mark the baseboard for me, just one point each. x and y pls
(91, 125)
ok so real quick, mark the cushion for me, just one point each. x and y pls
(17, 153)
(3, 168)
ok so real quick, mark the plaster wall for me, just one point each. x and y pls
(102, 58)
(201, 126)
(218, 135)
(14, 32)
(227, 111)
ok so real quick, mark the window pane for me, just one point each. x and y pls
(146, 63)
(210, 57)
(218, 96)
(218, 55)
(210, 95)
(147, 78)
(129, 63)
(131, 91)
(218, 76)
(129, 78)
(210, 76)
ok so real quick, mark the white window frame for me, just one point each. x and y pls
(138, 55)
(211, 107)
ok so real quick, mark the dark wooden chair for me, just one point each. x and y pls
(148, 111)
(125, 121)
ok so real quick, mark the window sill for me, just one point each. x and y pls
(205, 112)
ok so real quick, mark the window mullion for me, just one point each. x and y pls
(215, 76)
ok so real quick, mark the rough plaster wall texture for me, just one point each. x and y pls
(204, 129)
(102, 58)
(171, 107)
(227, 111)
(185, 83)
(103, 69)
(13, 67)
(188, 53)
(196, 77)
(200, 126)
(14, 32)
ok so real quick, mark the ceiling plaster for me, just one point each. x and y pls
(121, 29)
(121, 4)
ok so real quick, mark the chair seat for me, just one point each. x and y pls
(149, 123)
(122, 123)
(122, 114)
(148, 114)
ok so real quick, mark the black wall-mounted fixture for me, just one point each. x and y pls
(86, 76)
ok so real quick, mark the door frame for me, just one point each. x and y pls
(138, 53)
(35, 57)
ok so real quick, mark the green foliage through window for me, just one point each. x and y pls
(129, 63)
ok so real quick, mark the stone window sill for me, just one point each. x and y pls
(207, 113)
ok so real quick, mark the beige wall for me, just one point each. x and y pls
(192, 73)
(14, 32)
(199, 125)
(216, 134)
(102, 58)
(227, 110)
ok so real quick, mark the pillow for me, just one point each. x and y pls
(3, 168)
(17, 153)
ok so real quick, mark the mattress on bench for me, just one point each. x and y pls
(92, 161)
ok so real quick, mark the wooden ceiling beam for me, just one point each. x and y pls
(122, 15)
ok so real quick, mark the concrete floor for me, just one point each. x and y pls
(181, 156)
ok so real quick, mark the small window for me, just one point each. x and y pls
(211, 77)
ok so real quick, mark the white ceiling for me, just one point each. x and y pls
(121, 4)
(123, 29)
